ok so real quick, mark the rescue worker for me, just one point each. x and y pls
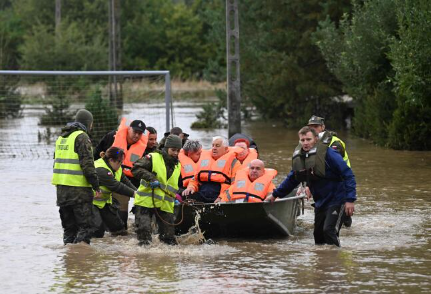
(112, 179)
(247, 154)
(160, 173)
(152, 141)
(133, 141)
(189, 157)
(75, 178)
(330, 138)
(174, 131)
(330, 182)
(216, 172)
(252, 184)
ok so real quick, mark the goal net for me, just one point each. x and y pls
(35, 105)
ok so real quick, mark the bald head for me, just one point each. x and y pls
(256, 169)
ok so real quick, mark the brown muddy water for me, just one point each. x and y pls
(387, 250)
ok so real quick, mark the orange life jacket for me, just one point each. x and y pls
(134, 152)
(252, 155)
(188, 167)
(250, 191)
(210, 170)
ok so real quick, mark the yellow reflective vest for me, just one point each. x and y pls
(67, 170)
(164, 197)
(346, 157)
(106, 193)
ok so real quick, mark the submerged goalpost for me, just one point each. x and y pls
(35, 105)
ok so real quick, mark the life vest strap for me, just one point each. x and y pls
(247, 195)
(227, 179)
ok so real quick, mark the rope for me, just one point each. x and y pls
(184, 203)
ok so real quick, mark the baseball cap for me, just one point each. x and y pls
(316, 120)
(138, 125)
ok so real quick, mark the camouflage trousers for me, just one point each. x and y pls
(143, 223)
(76, 221)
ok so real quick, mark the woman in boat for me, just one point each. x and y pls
(111, 178)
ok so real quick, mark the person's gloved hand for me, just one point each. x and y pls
(155, 184)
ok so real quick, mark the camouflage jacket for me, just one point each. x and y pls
(142, 169)
(68, 195)
(107, 179)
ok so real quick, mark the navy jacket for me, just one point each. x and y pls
(329, 191)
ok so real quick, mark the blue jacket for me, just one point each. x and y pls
(326, 192)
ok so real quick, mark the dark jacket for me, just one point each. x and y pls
(107, 179)
(142, 169)
(68, 195)
(104, 144)
(326, 192)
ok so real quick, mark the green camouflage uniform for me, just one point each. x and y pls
(76, 202)
(142, 169)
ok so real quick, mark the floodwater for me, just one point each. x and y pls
(387, 250)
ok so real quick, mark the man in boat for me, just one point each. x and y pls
(189, 157)
(160, 173)
(152, 141)
(75, 178)
(329, 180)
(133, 141)
(247, 154)
(252, 184)
(330, 138)
(216, 172)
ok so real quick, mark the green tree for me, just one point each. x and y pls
(283, 72)
(411, 60)
(105, 117)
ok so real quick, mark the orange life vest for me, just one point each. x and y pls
(252, 155)
(250, 191)
(134, 152)
(210, 170)
(188, 167)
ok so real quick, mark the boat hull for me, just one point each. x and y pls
(261, 219)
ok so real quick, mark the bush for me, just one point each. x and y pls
(105, 117)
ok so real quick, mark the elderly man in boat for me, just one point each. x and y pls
(216, 172)
(252, 184)
(329, 180)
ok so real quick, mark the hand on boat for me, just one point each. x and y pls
(349, 208)
(188, 191)
(270, 198)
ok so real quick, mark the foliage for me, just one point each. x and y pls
(105, 117)
(212, 113)
(43, 50)
(10, 105)
(411, 60)
(382, 56)
(11, 35)
(58, 113)
(285, 74)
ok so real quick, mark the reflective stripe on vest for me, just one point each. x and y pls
(67, 170)
(188, 168)
(243, 188)
(164, 201)
(134, 152)
(106, 193)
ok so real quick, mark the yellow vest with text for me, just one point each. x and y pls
(67, 170)
(106, 193)
(163, 200)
